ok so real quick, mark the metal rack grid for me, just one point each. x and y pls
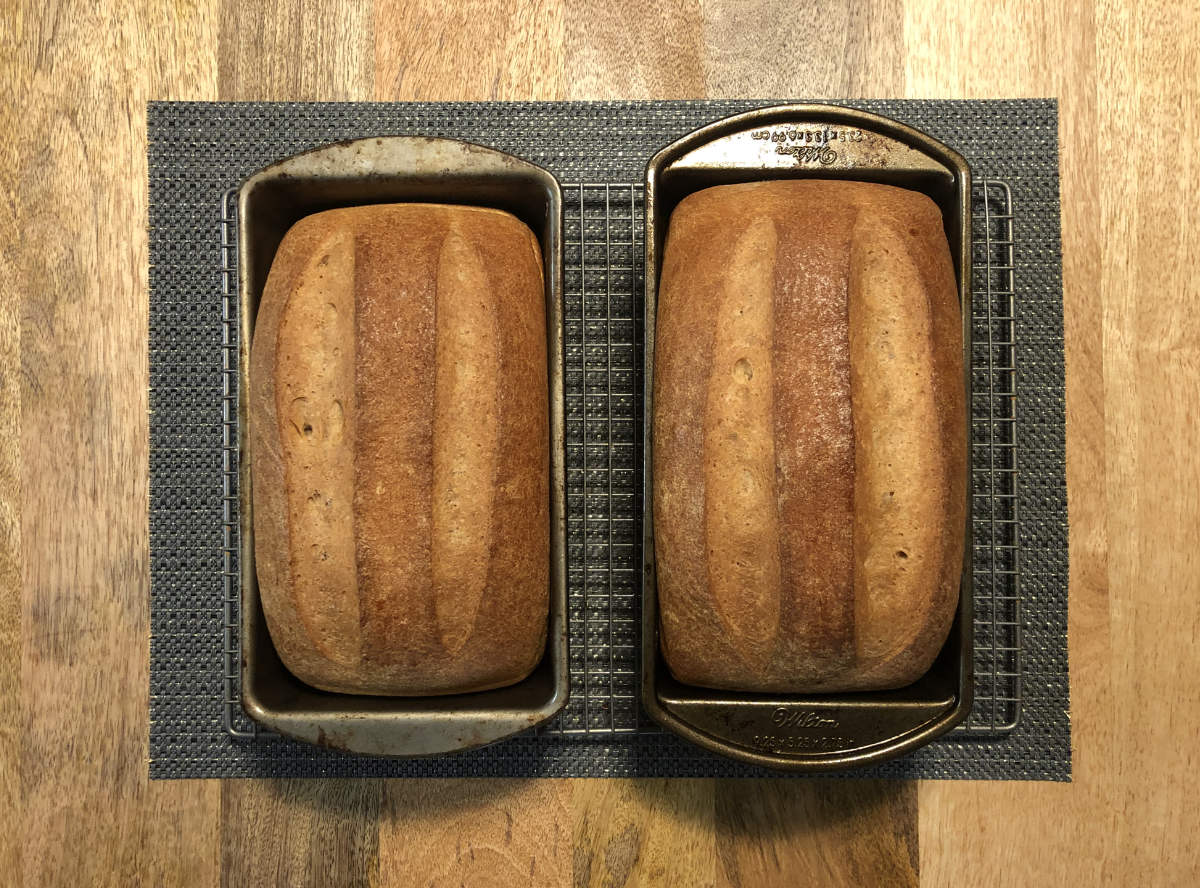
(237, 724)
(602, 264)
(994, 471)
(603, 247)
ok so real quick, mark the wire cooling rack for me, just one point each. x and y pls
(994, 462)
(603, 227)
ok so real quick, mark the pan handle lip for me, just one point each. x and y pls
(442, 739)
(472, 157)
(842, 760)
(804, 113)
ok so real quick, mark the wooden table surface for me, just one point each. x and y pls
(73, 452)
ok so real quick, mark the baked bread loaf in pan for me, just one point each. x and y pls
(398, 414)
(809, 437)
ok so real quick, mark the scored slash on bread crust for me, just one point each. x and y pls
(741, 523)
(399, 434)
(809, 518)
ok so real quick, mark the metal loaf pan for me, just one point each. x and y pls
(813, 732)
(388, 170)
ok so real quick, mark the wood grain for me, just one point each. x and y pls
(834, 832)
(764, 48)
(742, 833)
(643, 832)
(630, 50)
(73, 444)
(14, 80)
(1151, 367)
(11, 83)
(285, 50)
(77, 244)
(444, 833)
(300, 832)
(469, 50)
(1131, 388)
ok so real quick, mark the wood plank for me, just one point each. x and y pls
(686, 49)
(12, 82)
(300, 832)
(285, 51)
(630, 50)
(827, 832)
(1016, 834)
(475, 832)
(76, 186)
(471, 50)
(644, 832)
(1007, 49)
(1132, 481)
(177, 835)
(1151, 366)
(756, 49)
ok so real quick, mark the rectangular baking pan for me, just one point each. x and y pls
(388, 170)
(813, 732)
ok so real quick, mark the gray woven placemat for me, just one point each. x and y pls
(199, 150)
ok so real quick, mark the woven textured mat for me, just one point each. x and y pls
(197, 152)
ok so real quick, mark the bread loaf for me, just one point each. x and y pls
(809, 437)
(398, 414)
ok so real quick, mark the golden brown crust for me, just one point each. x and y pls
(445, 599)
(397, 275)
(741, 520)
(466, 428)
(315, 403)
(859, 274)
(900, 480)
(813, 430)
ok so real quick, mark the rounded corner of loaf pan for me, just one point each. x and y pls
(480, 250)
(906, 229)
